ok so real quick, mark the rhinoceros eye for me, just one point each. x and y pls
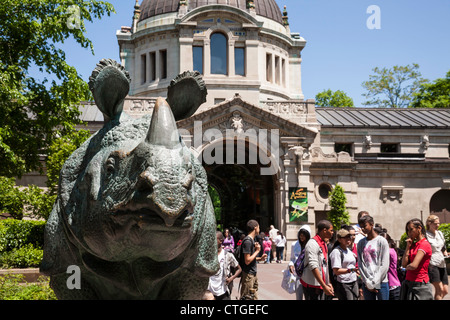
(111, 165)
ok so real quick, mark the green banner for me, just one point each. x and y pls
(298, 204)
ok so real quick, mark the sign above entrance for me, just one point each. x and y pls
(298, 204)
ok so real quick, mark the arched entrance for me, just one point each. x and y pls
(440, 205)
(239, 191)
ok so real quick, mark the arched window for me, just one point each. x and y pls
(218, 54)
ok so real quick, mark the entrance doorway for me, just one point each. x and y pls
(239, 193)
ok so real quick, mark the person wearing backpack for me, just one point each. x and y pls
(297, 250)
(219, 283)
(315, 277)
(343, 263)
(249, 257)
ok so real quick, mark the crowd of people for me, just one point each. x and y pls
(365, 263)
(361, 262)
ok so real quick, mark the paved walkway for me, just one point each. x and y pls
(269, 280)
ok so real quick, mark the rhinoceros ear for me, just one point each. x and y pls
(110, 84)
(186, 93)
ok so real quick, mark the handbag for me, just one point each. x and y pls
(288, 281)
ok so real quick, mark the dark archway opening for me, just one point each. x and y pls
(440, 205)
(239, 193)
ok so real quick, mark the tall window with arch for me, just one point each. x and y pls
(219, 53)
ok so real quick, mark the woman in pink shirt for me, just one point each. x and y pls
(416, 260)
(394, 282)
(267, 247)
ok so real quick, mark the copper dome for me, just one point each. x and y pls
(265, 8)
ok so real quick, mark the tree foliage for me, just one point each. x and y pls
(394, 87)
(329, 98)
(338, 215)
(33, 201)
(18, 202)
(59, 150)
(32, 108)
(433, 95)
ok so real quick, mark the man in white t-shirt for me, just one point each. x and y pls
(272, 235)
(218, 283)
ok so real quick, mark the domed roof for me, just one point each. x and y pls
(265, 8)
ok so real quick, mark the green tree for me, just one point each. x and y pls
(215, 199)
(11, 198)
(24, 201)
(329, 98)
(32, 200)
(392, 88)
(433, 95)
(59, 150)
(338, 215)
(31, 108)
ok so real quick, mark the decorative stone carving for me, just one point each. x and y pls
(133, 211)
(424, 142)
(392, 193)
(318, 155)
(298, 154)
(367, 142)
(237, 123)
(285, 108)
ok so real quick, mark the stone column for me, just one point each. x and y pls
(186, 55)
(231, 69)
(207, 57)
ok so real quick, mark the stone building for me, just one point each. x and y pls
(393, 163)
(270, 154)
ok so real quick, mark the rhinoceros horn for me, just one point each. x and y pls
(163, 128)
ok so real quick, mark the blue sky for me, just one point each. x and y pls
(341, 50)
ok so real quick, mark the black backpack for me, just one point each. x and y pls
(332, 276)
(239, 255)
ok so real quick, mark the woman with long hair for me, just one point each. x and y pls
(298, 247)
(228, 241)
(437, 269)
(416, 261)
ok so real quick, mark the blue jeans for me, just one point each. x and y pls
(268, 256)
(382, 294)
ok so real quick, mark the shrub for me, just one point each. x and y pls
(25, 257)
(445, 228)
(12, 288)
(25, 201)
(21, 243)
(338, 215)
(17, 233)
(11, 198)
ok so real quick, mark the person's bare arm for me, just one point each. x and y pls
(327, 288)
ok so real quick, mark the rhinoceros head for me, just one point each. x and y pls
(132, 190)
